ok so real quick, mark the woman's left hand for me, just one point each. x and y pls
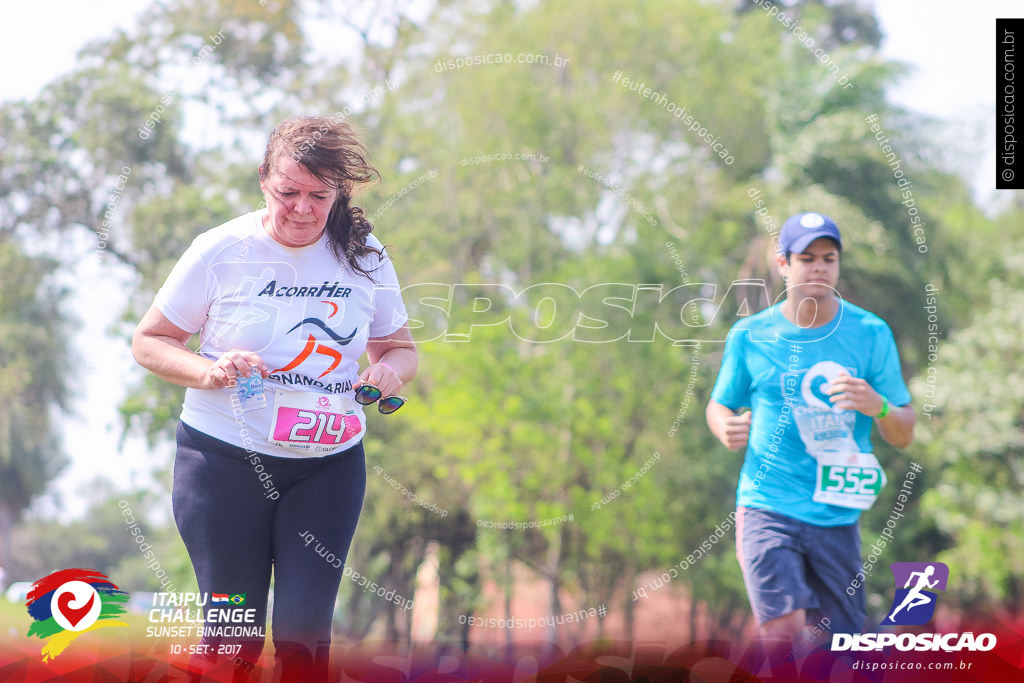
(382, 376)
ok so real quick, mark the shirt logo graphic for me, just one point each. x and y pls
(813, 386)
(313, 345)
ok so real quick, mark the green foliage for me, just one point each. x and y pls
(33, 363)
(974, 438)
(112, 537)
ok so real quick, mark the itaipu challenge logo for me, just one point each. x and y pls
(70, 602)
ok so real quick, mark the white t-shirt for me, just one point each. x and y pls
(307, 316)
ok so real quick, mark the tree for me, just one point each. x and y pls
(34, 383)
(975, 446)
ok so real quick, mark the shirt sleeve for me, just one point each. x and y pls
(884, 375)
(389, 312)
(732, 388)
(185, 297)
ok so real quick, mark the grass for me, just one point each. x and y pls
(14, 620)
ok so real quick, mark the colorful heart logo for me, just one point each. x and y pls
(69, 602)
(75, 605)
(72, 614)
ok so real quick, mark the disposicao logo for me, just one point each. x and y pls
(914, 603)
(917, 584)
(70, 602)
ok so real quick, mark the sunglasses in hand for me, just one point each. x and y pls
(367, 394)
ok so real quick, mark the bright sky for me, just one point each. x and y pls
(950, 44)
(35, 57)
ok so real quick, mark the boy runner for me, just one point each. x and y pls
(816, 372)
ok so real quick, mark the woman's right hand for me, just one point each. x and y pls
(222, 372)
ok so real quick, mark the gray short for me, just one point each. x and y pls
(790, 565)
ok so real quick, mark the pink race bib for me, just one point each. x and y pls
(314, 423)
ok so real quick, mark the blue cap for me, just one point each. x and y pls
(800, 230)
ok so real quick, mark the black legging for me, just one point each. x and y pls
(234, 534)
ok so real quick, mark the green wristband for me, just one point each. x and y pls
(885, 409)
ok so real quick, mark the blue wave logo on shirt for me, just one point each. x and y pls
(816, 381)
(818, 385)
(342, 341)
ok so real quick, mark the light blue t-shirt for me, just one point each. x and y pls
(779, 371)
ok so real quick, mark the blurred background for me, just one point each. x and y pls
(541, 156)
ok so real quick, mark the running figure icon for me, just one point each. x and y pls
(915, 597)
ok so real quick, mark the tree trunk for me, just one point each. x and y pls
(509, 587)
(630, 607)
(552, 561)
(693, 616)
(554, 554)
(427, 600)
(6, 524)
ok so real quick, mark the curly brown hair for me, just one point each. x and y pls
(331, 152)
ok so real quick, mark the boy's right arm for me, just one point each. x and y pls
(731, 429)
